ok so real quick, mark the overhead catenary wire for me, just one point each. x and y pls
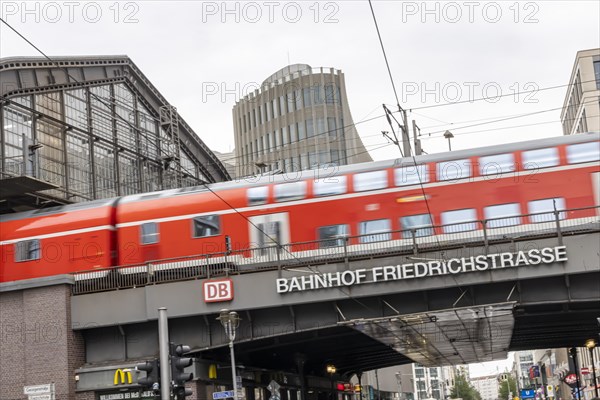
(207, 186)
(411, 155)
(592, 100)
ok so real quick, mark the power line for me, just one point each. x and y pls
(503, 128)
(512, 117)
(407, 141)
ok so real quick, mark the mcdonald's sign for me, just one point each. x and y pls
(212, 371)
(122, 376)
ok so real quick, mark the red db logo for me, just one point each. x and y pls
(221, 290)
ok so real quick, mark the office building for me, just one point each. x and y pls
(487, 386)
(581, 108)
(299, 119)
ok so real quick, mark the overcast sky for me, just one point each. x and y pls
(204, 55)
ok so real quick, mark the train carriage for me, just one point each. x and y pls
(440, 198)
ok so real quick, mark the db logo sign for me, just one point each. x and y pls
(221, 290)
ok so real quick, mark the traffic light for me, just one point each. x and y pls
(152, 379)
(178, 376)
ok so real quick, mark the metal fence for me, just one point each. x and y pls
(475, 233)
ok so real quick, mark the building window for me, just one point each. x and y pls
(583, 152)
(307, 97)
(331, 127)
(544, 209)
(370, 181)
(27, 250)
(298, 99)
(301, 130)
(421, 224)
(375, 231)
(282, 105)
(411, 175)
(310, 130)
(206, 225)
(330, 94)
(257, 195)
(291, 102)
(332, 235)
(330, 186)
(459, 220)
(493, 213)
(149, 233)
(453, 170)
(540, 158)
(290, 191)
(497, 164)
(597, 73)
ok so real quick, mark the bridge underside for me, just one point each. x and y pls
(536, 326)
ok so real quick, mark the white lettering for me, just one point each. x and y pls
(548, 255)
(481, 262)
(561, 253)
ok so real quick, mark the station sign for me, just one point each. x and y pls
(217, 290)
(527, 393)
(417, 270)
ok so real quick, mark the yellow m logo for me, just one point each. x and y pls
(120, 376)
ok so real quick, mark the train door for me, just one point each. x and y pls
(266, 231)
(596, 188)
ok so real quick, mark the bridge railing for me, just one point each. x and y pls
(419, 239)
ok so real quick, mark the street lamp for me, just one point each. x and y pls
(331, 370)
(230, 321)
(590, 344)
(448, 135)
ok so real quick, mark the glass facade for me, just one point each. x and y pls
(93, 142)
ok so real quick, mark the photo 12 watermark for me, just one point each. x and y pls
(462, 92)
(254, 12)
(470, 11)
(53, 12)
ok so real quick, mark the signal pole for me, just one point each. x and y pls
(163, 345)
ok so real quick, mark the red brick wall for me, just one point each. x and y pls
(37, 344)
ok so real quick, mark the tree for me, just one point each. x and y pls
(506, 387)
(462, 389)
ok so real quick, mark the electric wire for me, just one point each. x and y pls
(279, 245)
(414, 160)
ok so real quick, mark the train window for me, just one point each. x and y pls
(453, 170)
(502, 215)
(411, 175)
(540, 158)
(28, 250)
(375, 231)
(206, 225)
(370, 181)
(544, 209)
(257, 195)
(583, 152)
(497, 164)
(330, 186)
(332, 235)
(421, 224)
(459, 220)
(290, 191)
(149, 233)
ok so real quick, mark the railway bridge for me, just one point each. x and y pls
(462, 297)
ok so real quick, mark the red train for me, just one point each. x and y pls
(381, 201)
